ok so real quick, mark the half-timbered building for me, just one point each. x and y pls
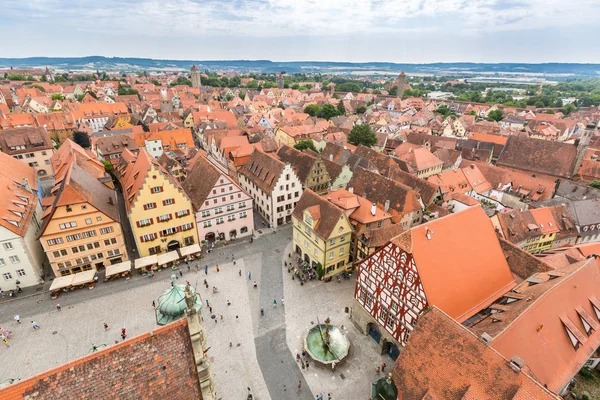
(455, 263)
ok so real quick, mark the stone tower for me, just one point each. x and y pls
(196, 79)
(400, 83)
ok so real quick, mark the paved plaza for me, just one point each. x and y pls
(246, 349)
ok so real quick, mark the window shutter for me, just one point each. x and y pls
(179, 228)
(137, 223)
(142, 239)
(145, 206)
(162, 189)
(173, 200)
(154, 204)
(151, 221)
(170, 216)
(164, 202)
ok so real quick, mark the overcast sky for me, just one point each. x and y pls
(405, 31)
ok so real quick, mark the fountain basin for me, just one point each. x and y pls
(338, 344)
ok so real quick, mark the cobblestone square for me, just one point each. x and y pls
(246, 349)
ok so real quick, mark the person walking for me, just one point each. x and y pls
(240, 272)
(282, 301)
(58, 307)
(105, 326)
(181, 273)
(249, 275)
(274, 303)
(333, 367)
(255, 284)
(35, 326)
(383, 367)
(299, 386)
(123, 334)
(297, 357)
(206, 270)
(5, 341)
(217, 267)
(153, 304)
(307, 364)
(262, 311)
(17, 318)
(188, 265)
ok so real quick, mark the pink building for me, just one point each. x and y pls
(223, 210)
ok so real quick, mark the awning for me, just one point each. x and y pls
(61, 282)
(193, 249)
(168, 257)
(146, 261)
(83, 277)
(118, 268)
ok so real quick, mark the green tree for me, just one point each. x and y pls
(595, 184)
(155, 82)
(443, 110)
(124, 91)
(229, 97)
(361, 109)
(568, 109)
(393, 91)
(82, 139)
(295, 86)
(312, 109)
(349, 87)
(40, 88)
(341, 108)
(495, 115)
(472, 112)
(305, 144)
(328, 111)
(320, 270)
(252, 85)
(57, 96)
(362, 134)
(107, 165)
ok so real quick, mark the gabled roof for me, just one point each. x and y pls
(325, 214)
(443, 360)
(380, 189)
(301, 162)
(78, 186)
(201, 179)
(474, 272)
(31, 139)
(263, 170)
(541, 156)
(547, 326)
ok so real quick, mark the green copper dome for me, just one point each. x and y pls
(172, 304)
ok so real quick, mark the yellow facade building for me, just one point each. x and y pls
(158, 209)
(322, 234)
(81, 228)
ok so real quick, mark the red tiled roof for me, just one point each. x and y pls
(153, 365)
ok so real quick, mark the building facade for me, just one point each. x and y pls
(322, 234)
(159, 211)
(223, 210)
(30, 145)
(273, 185)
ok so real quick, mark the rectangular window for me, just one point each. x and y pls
(156, 189)
(88, 221)
(183, 213)
(207, 224)
(164, 217)
(144, 222)
(104, 231)
(343, 239)
(149, 206)
(168, 202)
(331, 255)
(7, 276)
(342, 251)
(8, 246)
(204, 213)
(2, 262)
(331, 242)
(21, 272)
(14, 259)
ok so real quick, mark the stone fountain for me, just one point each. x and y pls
(326, 343)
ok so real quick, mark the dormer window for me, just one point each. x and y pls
(577, 338)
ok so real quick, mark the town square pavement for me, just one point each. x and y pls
(246, 350)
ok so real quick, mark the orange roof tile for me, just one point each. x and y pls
(460, 262)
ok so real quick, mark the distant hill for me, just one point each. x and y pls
(93, 63)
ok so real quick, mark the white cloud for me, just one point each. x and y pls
(284, 18)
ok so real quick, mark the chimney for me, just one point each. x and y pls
(374, 209)
(516, 363)
(111, 201)
(331, 157)
(351, 189)
(472, 166)
(485, 338)
(364, 195)
(386, 207)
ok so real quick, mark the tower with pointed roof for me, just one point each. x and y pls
(196, 78)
